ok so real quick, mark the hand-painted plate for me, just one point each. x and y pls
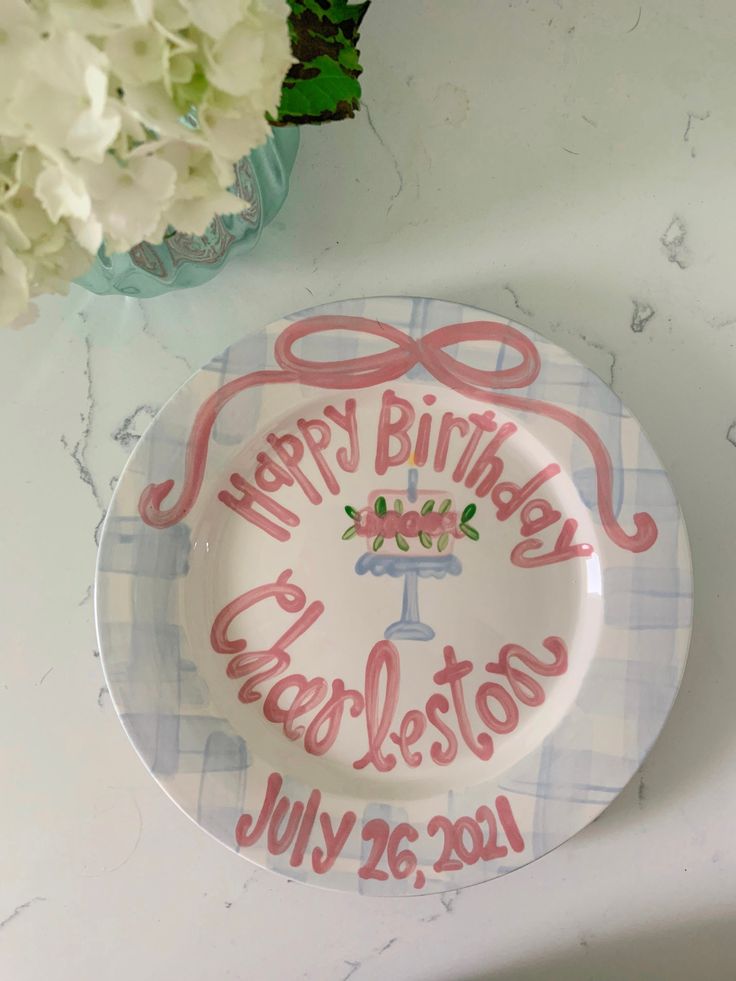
(394, 596)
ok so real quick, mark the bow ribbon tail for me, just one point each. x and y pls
(646, 529)
(152, 498)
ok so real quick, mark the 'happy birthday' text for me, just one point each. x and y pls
(478, 439)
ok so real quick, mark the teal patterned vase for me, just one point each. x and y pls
(181, 261)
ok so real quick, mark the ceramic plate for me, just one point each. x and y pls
(393, 596)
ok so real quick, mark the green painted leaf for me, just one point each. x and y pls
(425, 539)
(445, 506)
(351, 512)
(323, 84)
(377, 542)
(402, 542)
(469, 531)
(398, 506)
(349, 533)
(380, 506)
(442, 542)
(468, 512)
(427, 506)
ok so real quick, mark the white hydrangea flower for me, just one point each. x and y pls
(129, 200)
(216, 17)
(27, 214)
(137, 55)
(14, 291)
(55, 262)
(171, 14)
(179, 69)
(62, 192)
(120, 118)
(251, 59)
(60, 98)
(153, 106)
(234, 63)
(231, 127)
(88, 232)
(99, 17)
(199, 194)
(8, 181)
(11, 233)
(20, 29)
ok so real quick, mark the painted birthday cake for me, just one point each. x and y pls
(411, 522)
(410, 533)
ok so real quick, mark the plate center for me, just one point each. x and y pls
(390, 582)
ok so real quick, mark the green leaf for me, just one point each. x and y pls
(377, 542)
(349, 59)
(323, 84)
(398, 506)
(427, 506)
(425, 539)
(469, 531)
(349, 533)
(380, 506)
(445, 506)
(327, 92)
(337, 11)
(351, 512)
(442, 542)
(468, 512)
(402, 542)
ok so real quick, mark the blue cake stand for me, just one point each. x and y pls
(409, 626)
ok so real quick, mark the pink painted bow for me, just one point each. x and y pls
(376, 369)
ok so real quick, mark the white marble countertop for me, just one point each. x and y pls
(569, 163)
